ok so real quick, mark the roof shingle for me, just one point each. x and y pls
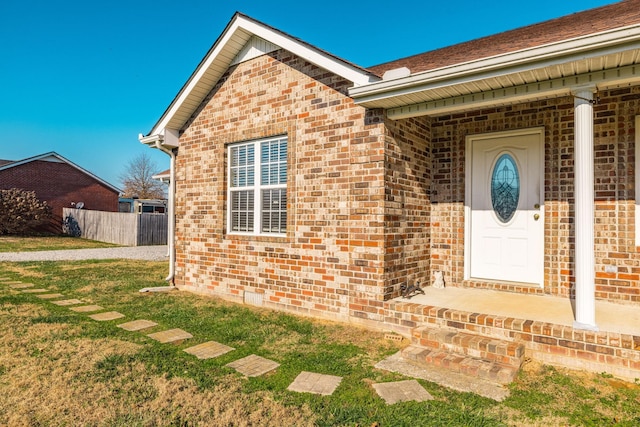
(617, 15)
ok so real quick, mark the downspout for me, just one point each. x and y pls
(171, 208)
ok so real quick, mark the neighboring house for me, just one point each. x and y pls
(134, 205)
(61, 183)
(164, 176)
(308, 184)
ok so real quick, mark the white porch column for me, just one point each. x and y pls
(584, 208)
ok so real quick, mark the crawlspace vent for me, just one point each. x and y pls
(253, 298)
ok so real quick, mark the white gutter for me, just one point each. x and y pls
(157, 142)
(614, 41)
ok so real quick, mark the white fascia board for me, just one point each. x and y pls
(242, 25)
(547, 55)
(520, 93)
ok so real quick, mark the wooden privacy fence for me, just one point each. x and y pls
(129, 229)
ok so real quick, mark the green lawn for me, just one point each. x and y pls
(58, 367)
(48, 243)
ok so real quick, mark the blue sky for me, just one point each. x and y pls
(84, 78)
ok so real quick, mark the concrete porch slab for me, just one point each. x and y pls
(310, 382)
(208, 350)
(402, 391)
(253, 365)
(137, 325)
(610, 317)
(108, 315)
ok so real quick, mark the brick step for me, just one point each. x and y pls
(488, 370)
(466, 344)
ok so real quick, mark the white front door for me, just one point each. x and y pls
(505, 213)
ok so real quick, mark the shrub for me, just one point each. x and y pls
(21, 211)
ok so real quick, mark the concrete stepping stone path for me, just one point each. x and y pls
(86, 308)
(208, 350)
(170, 336)
(21, 285)
(108, 315)
(402, 391)
(137, 325)
(66, 302)
(309, 382)
(49, 296)
(35, 291)
(253, 365)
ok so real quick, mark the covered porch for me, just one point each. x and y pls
(544, 324)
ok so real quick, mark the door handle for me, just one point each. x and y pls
(536, 217)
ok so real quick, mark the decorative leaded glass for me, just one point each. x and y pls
(505, 187)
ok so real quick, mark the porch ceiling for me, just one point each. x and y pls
(462, 87)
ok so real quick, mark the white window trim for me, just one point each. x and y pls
(256, 188)
(637, 187)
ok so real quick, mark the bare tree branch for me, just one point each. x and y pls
(137, 179)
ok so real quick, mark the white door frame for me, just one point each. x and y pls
(469, 140)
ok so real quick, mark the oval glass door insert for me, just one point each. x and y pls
(505, 188)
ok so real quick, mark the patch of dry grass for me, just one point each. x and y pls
(47, 243)
(50, 375)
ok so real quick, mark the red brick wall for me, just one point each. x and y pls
(331, 262)
(375, 203)
(407, 204)
(59, 184)
(617, 257)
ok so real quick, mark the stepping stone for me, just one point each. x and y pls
(170, 336)
(402, 391)
(208, 350)
(137, 325)
(4, 279)
(21, 286)
(86, 308)
(253, 366)
(12, 282)
(66, 302)
(49, 296)
(309, 382)
(108, 315)
(35, 291)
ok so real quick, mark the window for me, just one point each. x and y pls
(257, 193)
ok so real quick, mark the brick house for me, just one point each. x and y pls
(59, 182)
(305, 183)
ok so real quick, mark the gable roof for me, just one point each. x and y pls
(52, 156)
(598, 47)
(233, 42)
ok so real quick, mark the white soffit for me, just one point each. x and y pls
(518, 75)
(254, 48)
(518, 93)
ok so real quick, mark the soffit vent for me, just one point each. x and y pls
(255, 47)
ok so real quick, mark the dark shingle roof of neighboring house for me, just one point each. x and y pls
(617, 15)
(5, 162)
